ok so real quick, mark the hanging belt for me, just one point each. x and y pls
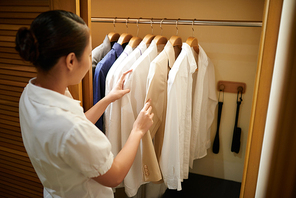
(216, 144)
(235, 146)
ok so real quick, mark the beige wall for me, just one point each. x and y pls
(233, 51)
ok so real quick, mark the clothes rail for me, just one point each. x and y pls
(177, 21)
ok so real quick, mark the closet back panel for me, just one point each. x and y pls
(233, 50)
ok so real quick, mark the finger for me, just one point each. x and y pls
(149, 109)
(125, 73)
(151, 116)
(128, 71)
(147, 105)
(125, 91)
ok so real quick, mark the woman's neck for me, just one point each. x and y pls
(52, 80)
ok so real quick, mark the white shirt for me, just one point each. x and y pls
(116, 142)
(133, 102)
(110, 76)
(175, 151)
(65, 148)
(203, 107)
(113, 123)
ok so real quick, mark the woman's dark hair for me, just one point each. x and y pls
(52, 34)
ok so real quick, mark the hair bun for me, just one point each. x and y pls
(27, 45)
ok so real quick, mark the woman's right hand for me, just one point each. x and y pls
(144, 120)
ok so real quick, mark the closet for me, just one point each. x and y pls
(233, 51)
(243, 54)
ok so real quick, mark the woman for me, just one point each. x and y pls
(71, 156)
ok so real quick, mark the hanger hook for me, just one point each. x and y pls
(114, 21)
(126, 25)
(138, 27)
(151, 25)
(161, 26)
(192, 27)
(240, 90)
(177, 26)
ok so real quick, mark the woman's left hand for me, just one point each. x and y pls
(117, 92)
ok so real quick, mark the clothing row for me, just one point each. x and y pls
(181, 87)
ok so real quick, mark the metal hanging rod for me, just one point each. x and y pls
(178, 21)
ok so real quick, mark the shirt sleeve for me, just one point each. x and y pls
(87, 150)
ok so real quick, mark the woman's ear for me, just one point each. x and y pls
(70, 61)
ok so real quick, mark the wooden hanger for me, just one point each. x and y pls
(160, 40)
(148, 38)
(176, 41)
(192, 42)
(113, 37)
(124, 38)
(134, 42)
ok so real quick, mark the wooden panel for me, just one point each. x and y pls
(87, 82)
(15, 21)
(13, 135)
(18, 68)
(9, 103)
(17, 176)
(25, 3)
(18, 15)
(13, 78)
(268, 44)
(23, 9)
(9, 108)
(9, 113)
(8, 49)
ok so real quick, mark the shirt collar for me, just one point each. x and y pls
(117, 48)
(190, 53)
(202, 57)
(107, 42)
(141, 47)
(53, 98)
(170, 52)
(127, 50)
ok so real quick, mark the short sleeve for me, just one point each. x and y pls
(87, 150)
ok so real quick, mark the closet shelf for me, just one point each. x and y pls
(166, 21)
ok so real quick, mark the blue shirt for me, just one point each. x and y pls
(100, 74)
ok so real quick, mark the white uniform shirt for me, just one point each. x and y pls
(113, 123)
(65, 148)
(203, 107)
(174, 159)
(133, 102)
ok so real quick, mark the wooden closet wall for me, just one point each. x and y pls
(17, 176)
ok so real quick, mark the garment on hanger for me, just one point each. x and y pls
(205, 102)
(109, 84)
(175, 167)
(132, 104)
(113, 123)
(100, 51)
(100, 74)
(156, 90)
